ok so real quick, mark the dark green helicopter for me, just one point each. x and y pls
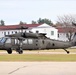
(32, 41)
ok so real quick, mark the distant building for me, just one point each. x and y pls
(62, 32)
(58, 33)
(51, 32)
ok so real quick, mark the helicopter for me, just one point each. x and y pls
(33, 41)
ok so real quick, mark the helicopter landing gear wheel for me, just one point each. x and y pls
(20, 52)
(67, 51)
(9, 51)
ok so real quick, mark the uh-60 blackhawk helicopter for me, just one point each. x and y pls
(32, 41)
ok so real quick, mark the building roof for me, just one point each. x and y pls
(13, 27)
(65, 29)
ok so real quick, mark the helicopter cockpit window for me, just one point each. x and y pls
(25, 41)
(2, 40)
(8, 40)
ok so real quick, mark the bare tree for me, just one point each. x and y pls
(66, 21)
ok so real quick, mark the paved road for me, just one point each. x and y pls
(37, 68)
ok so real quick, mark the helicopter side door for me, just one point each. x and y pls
(8, 43)
(15, 43)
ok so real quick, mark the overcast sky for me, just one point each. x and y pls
(14, 11)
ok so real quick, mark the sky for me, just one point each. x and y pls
(14, 11)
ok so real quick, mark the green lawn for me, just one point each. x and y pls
(39, 57)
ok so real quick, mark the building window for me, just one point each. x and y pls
(15, 31)
(37, 31)
(12, 32)
(4, 33)
(52, 32)
(8, 33)
(58, 35)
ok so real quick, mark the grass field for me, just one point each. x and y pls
(40, 57)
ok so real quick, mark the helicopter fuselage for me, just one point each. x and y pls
(7, 43)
